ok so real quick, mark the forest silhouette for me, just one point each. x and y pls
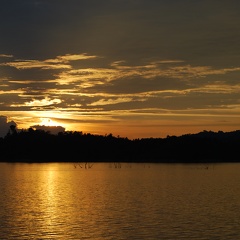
(41, 146)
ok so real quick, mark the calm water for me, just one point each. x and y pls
(136, 201)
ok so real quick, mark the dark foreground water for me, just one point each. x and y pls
(136, 201)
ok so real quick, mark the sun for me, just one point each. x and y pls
(48, 122)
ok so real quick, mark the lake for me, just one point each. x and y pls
(119, 201)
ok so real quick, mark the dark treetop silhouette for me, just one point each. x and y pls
(41, 146)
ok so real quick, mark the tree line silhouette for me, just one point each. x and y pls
(41, 146)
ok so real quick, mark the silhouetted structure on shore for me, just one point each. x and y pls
(40, 146)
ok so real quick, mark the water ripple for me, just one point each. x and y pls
(58, 201)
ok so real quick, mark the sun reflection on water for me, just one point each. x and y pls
(52, 201)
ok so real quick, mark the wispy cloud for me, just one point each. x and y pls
(75, 57)
(89, 77)
(60, 62)
(6, 56)
(38, 103)
(29, 64)
(110, 101)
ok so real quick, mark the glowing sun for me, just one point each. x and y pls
(48, 122)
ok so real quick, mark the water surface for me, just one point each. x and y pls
(126, 201)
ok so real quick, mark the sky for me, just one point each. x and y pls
(132, 68)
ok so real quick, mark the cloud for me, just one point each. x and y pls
(75, 57)
(89, 77)
(5, 125)
(29, 64)
(51, 129)
(39, 103)
(43, 102)
(95, 84)
(60, 62)
(6, 56)
(110, 101)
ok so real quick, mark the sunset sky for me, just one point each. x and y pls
(133, 68)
